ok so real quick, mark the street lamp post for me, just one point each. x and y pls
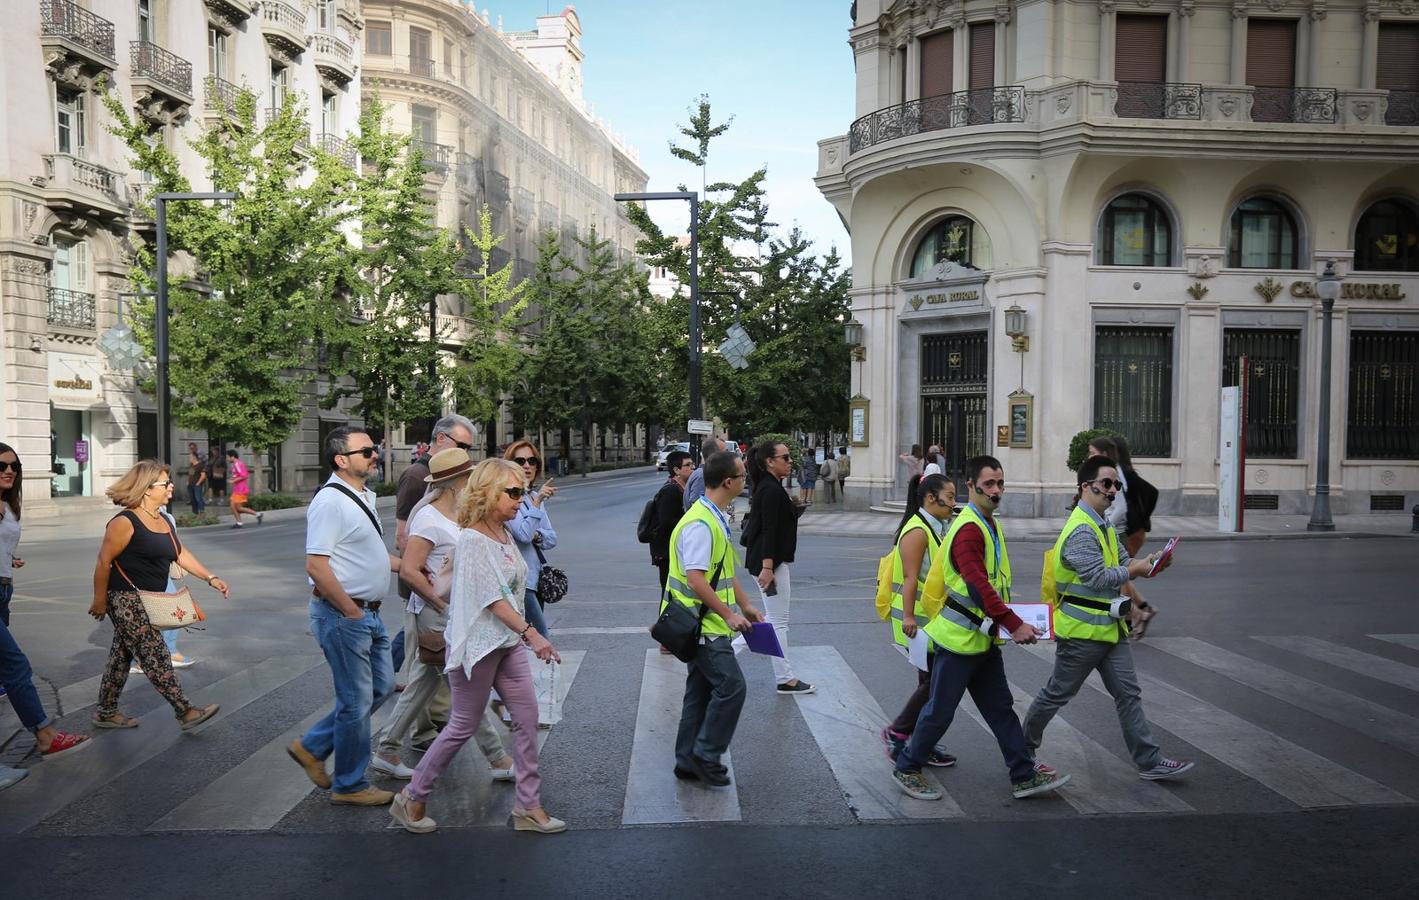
(1328, 287)
(160, 324)
(696, 404)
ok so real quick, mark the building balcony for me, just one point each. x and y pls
(162, 82)
(420, 66)
(339, 148)
(1402, 108)
(435, 156)
(220, 95)
(231, 12)
(524, 204)
(1301, 105)
(334, 58)
(961, 109)
(1149, 100)
(75, 187)
(302, 141)
(283, 26)
(71, 309)
(77, 45)
(468, 173)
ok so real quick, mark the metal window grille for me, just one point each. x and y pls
(1382, 420)
(1133, 386)
(1273, 387)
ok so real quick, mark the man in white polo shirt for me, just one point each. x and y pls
(348, 567)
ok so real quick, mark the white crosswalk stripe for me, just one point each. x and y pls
(1342, 657)
(1404, 640)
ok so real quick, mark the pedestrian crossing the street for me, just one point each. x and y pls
(1315, 724)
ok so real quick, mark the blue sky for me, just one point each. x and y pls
(781, 67)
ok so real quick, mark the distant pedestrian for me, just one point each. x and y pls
(485, 634)
(433, 534)
(138, 551)
(695, 486)
(1090, 624)
(914, 462)
(933, 463)
(348, 568)
(16, 677)
(241, 489)
(669, 506)
(196, 481)
(217, 474)
(828, 474)
(532, 528)
(771, 538)
(807, 477)
(1131, 515)
(844, 470)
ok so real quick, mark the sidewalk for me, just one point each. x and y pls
(826, 520)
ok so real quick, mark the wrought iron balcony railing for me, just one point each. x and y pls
(1154, 100)
(72, 309)
(1403, 108)
(418, 65)
(1301, 105)
(64, 18)
(435, 155)
(148, 60)
(338, 147)
(983, 106)
(221, 94)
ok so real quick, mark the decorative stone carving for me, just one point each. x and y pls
(1372, 12)
(1227, 106)
(1318, 11)
(1362, 110)
(1187, 8)
(1197, 290)
(1061, 104)
(1268, 288)
(1262, 476)
(1275, 5)
(1002, 13)
(1239, 10)
(1407, 7)
(1145, 3)
(1107, 7)
(1387, 477)
(1206, 267)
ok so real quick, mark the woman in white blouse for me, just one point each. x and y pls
(486, 624)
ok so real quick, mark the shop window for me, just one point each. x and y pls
(1387, 237)
(1133, 386)
(1273, 379)
(1382, 418)
(954, 239)
(1135, 231)
(379, 38)
(1264, 236)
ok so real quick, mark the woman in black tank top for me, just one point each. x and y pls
(139, 546)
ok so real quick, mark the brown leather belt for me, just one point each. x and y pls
(371, 605)
(7, 581)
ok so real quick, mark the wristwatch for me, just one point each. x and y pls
(210, 579)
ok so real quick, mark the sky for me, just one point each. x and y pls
(782, 68)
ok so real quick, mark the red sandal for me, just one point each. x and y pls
(64, 743)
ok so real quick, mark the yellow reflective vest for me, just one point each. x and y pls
(1073, 620)
(924, 610)
(957, 626)
(723, 562)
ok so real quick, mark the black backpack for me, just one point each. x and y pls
(645, 528)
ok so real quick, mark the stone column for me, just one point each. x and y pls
(960, 55)
(1201, 346)
(1369, 49)
(1182, 68)
(911, 56)
(1002, 43)
(1108, 34)
(1238, 69)
(874, 467)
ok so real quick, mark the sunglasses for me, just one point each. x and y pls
(527, 461)
(782, 456)
(366, 452)
(1108, 484)
(515, 492)
(462, 446)
(7, 466)
(163, 484)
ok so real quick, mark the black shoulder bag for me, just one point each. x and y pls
(552, 583)
(678, 629)
(358, 502)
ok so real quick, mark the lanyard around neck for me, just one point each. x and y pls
(991, 527)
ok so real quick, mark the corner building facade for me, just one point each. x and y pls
(1156, 186)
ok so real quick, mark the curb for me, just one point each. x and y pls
(1036, 537)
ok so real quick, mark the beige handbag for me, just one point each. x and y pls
(168, 612)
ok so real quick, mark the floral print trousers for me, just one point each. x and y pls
(135, 636)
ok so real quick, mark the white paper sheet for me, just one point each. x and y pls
(917, 649)
(1036, 614)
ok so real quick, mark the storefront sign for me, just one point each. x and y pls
(75, 382)
(857, 421)
(1352, 290)
(1022, 419)
(81, 451)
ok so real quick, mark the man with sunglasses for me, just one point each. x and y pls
(1091, 571)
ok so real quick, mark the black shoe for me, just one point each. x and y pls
(797, 686)
(423, 746)
(712, 774)
(686, 774)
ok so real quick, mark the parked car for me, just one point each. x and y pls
(665, 454)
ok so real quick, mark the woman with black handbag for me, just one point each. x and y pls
(532, 529)
(140, 548)
(771, 538)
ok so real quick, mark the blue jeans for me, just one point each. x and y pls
(15, 673)
(532, 612)
(195, 498)
(358, 653)
(983, 674)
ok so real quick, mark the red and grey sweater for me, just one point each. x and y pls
(968, 551)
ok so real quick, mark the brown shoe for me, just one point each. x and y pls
(368, 797)
(314, 768)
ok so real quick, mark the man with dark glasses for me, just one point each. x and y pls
(1091, 571)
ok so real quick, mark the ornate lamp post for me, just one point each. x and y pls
(1328, 287)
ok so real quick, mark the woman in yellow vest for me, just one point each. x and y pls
(930, 502)
(972, 569)
(1091, 571)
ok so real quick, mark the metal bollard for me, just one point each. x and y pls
(1414, 527)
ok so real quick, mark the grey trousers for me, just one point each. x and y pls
(714, 698)
(1074, 659)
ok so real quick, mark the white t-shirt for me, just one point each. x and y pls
(336, 527)
(441, 531)
(484, 572)
(931, 469)
(9, 539)
(1117, 513)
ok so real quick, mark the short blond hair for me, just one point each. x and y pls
(128, 491)
(485, 484)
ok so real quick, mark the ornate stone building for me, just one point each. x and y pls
(66, 193)
(1078, 213)
(501, 120)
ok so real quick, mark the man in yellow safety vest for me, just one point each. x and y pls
(973, 571)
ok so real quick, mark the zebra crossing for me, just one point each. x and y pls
(1349, 746)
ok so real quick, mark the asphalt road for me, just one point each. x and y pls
(1288, 669)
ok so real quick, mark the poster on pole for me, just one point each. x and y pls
(1229, 455)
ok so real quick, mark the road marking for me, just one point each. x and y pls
(602, 629)
(1305, 778)
(469, 798)
(1379, 722)
(1404, 640)
(1342, 657)
(846, 722)
(653, 794)
(50, 788)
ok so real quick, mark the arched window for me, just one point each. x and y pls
(1264, 236)
(1387, 237)
(954, 239)
(1135, 231)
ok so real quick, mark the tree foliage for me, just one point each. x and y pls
(493, 307)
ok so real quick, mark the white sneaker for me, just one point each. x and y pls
(135, 669)
(503, 774)
(393, 770)
(9, 776)
(183, 662)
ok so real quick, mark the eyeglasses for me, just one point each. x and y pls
(515, 492)
(739, 477)
(784, 456)
(528, 461)
(366, 452)
(462, 446)
(687, 462)
(7, 466)
(1108, 484)
(162, 484)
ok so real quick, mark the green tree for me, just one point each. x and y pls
(490, 358)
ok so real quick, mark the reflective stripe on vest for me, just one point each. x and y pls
(951, 629)
(915, 523)
(723, 561)
(1076, 621)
